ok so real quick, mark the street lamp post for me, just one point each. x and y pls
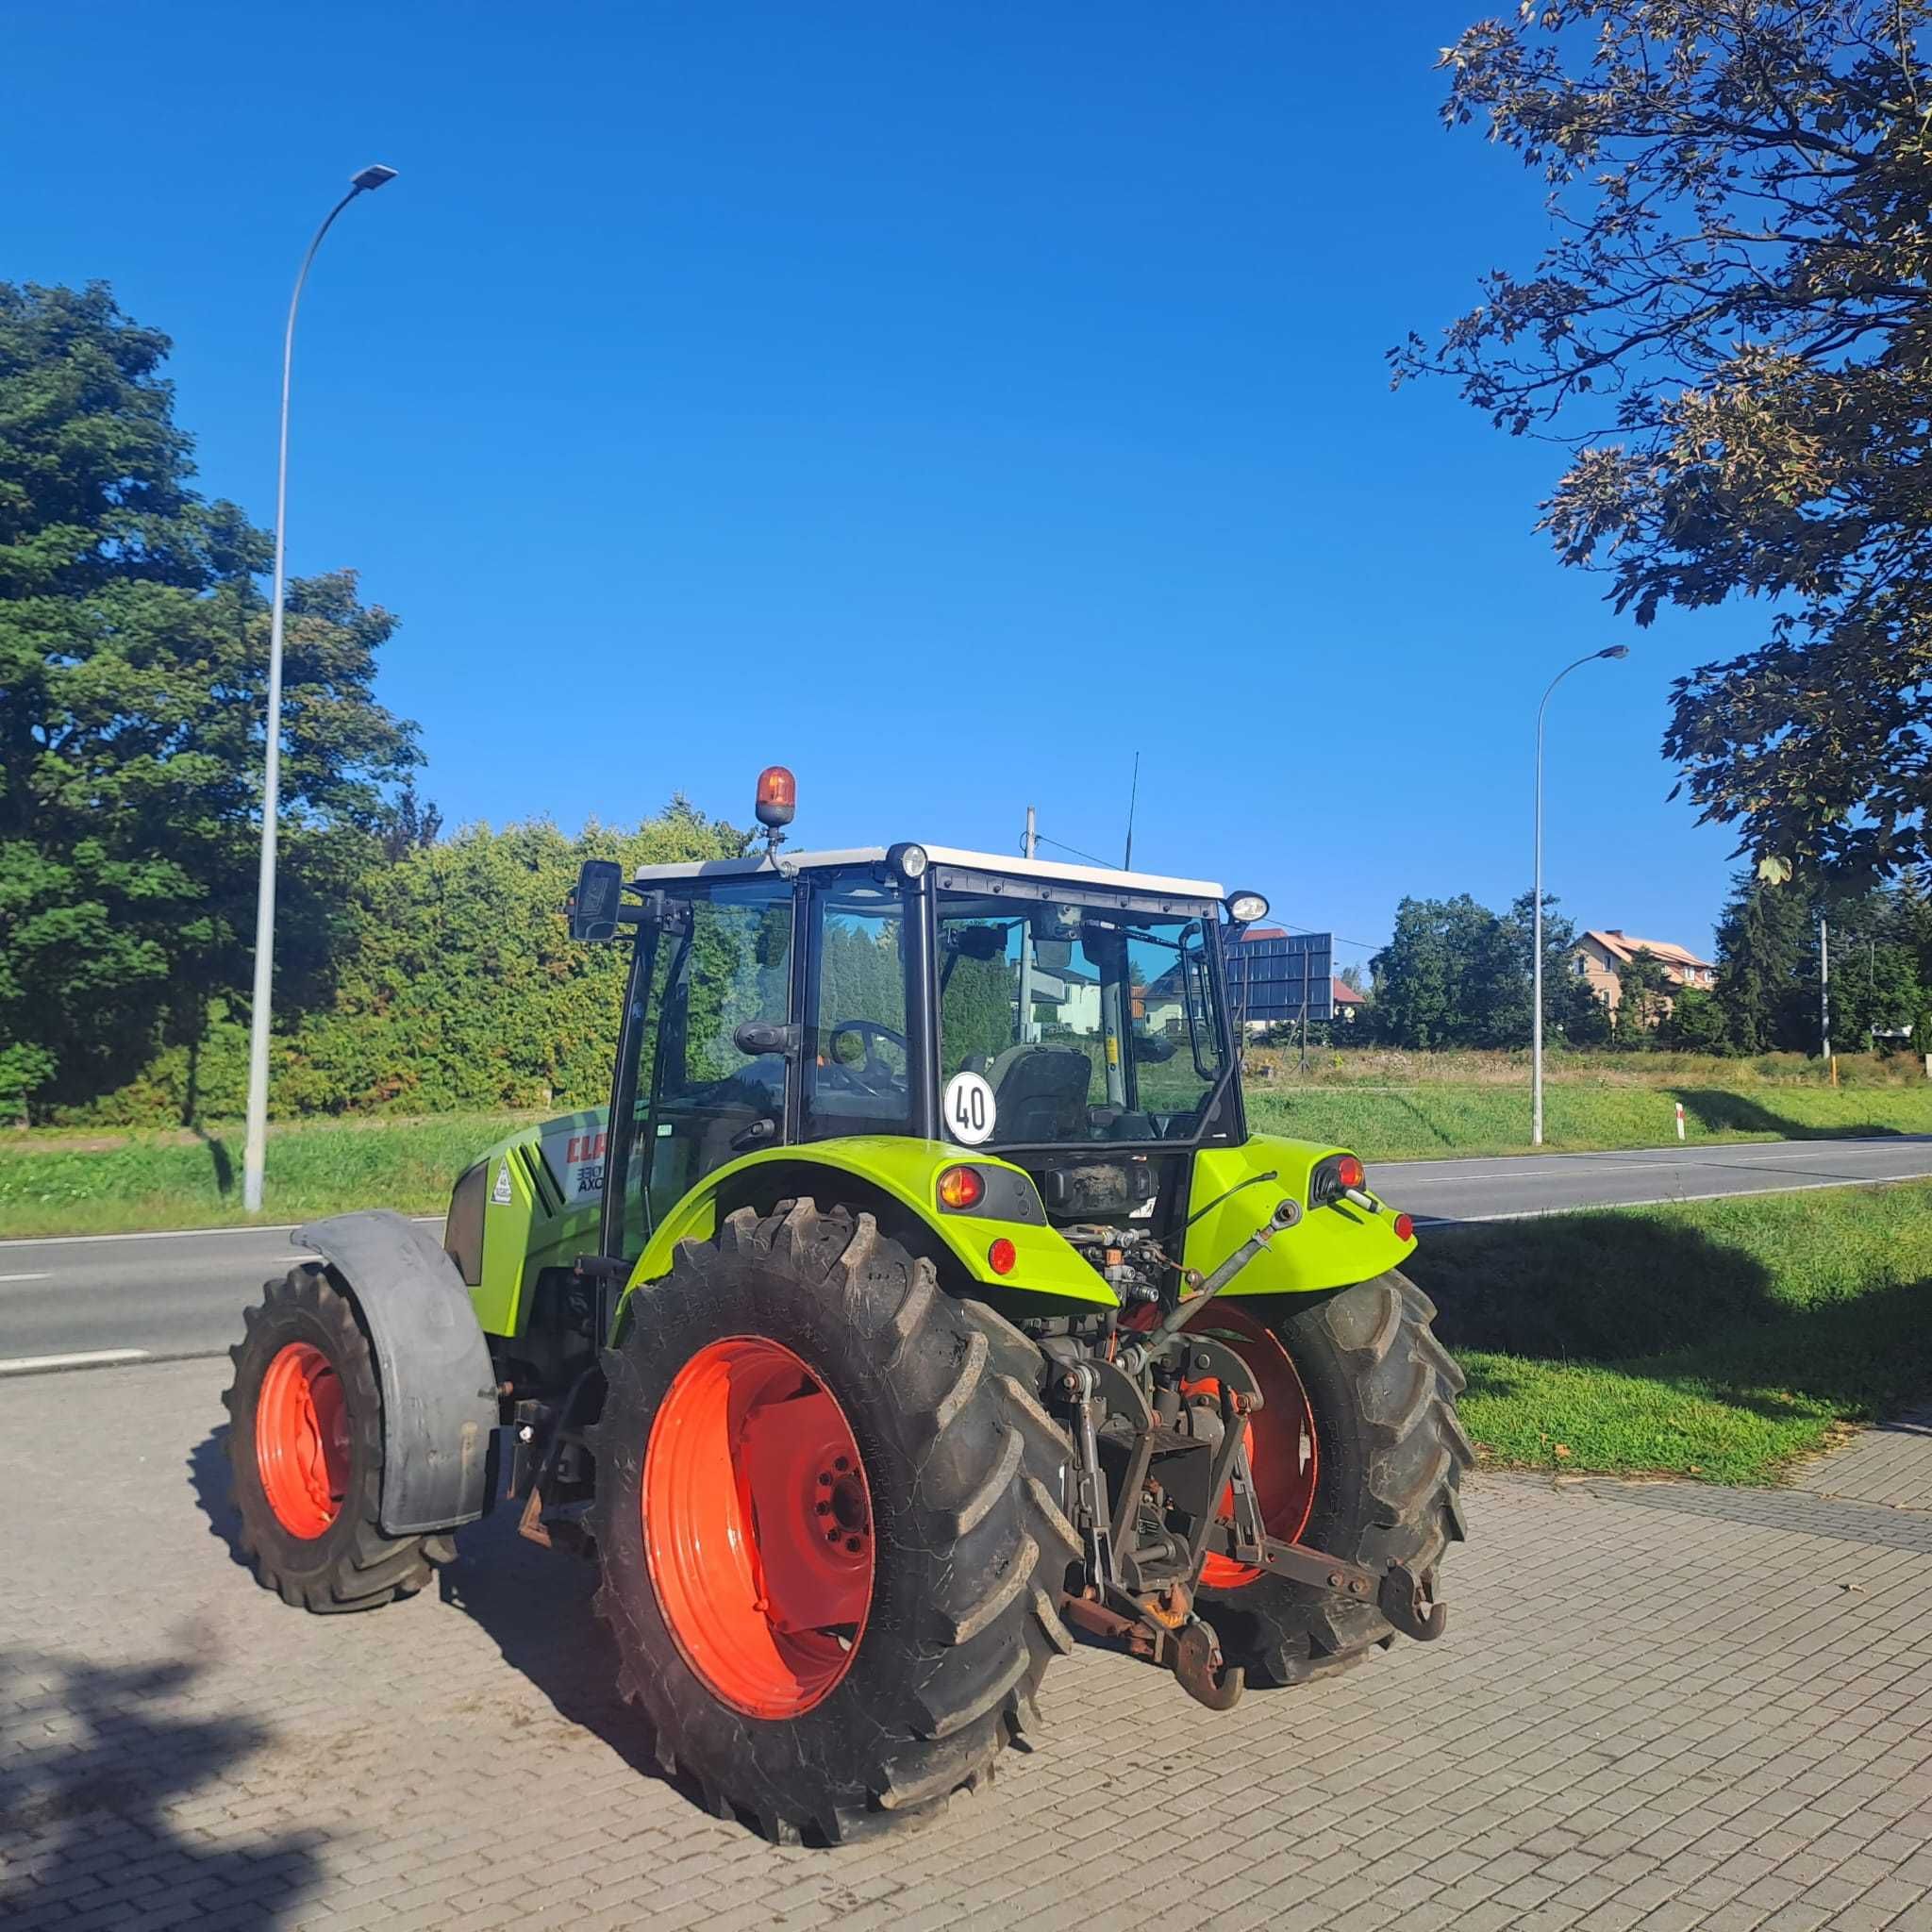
(255, 1150)
(1536, 944)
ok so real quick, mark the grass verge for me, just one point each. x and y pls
(70, 1184)
(1433, 1119)
(1721, 1338)
(78, 1181)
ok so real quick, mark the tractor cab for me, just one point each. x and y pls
(1071, 1022)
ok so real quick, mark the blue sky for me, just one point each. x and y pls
(946, 401)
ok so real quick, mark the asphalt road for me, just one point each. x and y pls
(1493, 1190)
(120, 1297)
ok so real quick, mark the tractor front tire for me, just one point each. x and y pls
(827, 1514)
(305, 1452)
(1388, 1456)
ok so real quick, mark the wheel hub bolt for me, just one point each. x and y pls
(823, 1508)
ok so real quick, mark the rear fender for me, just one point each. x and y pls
(439, 1390)
(907, 1171)
(1331, 1246)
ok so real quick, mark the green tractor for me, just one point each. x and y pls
(919, 1302)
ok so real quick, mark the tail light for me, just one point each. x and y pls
(1002, 1256)
(1333, 1179)
(961, 1188)
(1405, 1228)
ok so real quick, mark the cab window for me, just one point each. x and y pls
(710, 1101)
(855, 1062)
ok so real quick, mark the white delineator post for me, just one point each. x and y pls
(1681, 1120)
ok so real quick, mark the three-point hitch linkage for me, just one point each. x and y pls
(1163, 1481)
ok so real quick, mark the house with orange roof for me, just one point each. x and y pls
(1598, 955)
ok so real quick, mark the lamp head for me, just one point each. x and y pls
(1616, 651)
(372, 176)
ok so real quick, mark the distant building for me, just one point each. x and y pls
(1597, 957)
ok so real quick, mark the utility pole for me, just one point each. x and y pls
(1825, 989)
(1028, 1030)
(1536, 917)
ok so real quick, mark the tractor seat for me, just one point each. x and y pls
(1039, 1093)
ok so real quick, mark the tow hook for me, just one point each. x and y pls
(1199, 1669)
(1405, 1600)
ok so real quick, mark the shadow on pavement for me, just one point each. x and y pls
(90, 1757)
(207, 1477)
(533, 1604)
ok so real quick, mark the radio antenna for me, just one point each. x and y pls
(1133, 796)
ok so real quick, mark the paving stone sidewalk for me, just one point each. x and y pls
(1659, 1706)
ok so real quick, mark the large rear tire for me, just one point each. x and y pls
(827, 1514)
(1379, 1437)
(305, 1452)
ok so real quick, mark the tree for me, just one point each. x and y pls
(1510, 1020)
(1874, 986)
(1695, 1024)
(1730, 334)
(1643, 990)
(411, 822)
(1766, 941)
(1452, 974)
(133, 650)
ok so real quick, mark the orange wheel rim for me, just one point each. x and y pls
(1284, 1452)
(758, 1526)
(302, 1439)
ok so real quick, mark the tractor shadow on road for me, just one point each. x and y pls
(207, 1477)
(535, 1606)
(93, 1760)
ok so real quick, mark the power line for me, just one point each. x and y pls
(1339, 939)
(1093, 859)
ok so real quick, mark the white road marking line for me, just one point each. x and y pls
(174, 1234)
(1706, 1154)
(1863, 1180)
(1686, 1167)
(93, 1358)
(23, 1277)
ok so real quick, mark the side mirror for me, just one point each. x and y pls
(1052, 955)
(593, 905)
(978, 941)
(756, 1037)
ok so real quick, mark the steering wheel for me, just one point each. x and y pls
(872, 1075)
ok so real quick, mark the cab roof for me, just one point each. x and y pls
(1007, 863)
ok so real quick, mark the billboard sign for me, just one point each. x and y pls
(1281, 978)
